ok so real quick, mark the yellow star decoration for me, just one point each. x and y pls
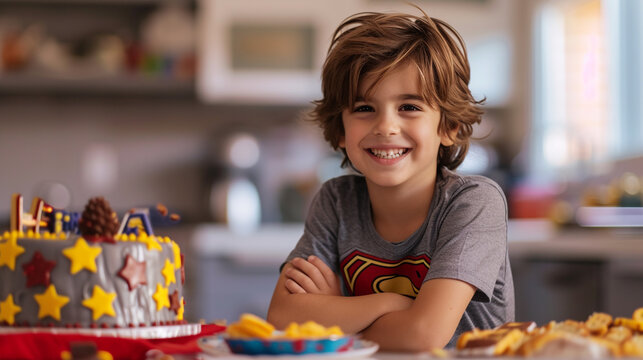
(50, 303)
(177, 255)
(82, 256)
(151, 242)
(179, 314)
(8, 310)
(161, 297)
(100, 303)
(168, 273)
(9, 251)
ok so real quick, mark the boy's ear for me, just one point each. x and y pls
(446, 138)
(342, 142)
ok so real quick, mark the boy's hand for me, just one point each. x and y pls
(311, 276)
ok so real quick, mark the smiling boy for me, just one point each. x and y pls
(408, 253)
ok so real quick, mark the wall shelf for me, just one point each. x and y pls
(84, 2)
(96, 48)
(125, 84)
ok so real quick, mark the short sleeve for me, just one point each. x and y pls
(320, 229)
(472, 238)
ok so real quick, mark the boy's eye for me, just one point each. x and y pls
(363, 108)
(409, 107)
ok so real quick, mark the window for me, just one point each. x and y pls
(587, 80)
(627, 71)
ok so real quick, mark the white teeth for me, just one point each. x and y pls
(388, 154)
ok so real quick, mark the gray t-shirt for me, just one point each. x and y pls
(464, 237)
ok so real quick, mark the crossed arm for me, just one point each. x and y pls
(308, 289)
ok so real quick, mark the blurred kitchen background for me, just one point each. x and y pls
(201, 105)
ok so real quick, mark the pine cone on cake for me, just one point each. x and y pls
(98, 221)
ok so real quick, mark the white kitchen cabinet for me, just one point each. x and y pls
(556, 290)
(575, 273)
(623, 290)
(232, 273)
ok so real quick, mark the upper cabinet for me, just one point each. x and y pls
(133, 47)
(265, 51)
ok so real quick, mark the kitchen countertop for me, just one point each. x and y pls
(532, 239)
(579, 249)
(541, 240)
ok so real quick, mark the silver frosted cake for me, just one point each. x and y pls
(65, 270)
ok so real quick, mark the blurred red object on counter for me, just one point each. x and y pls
(532, 202)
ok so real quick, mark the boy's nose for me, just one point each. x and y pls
(387, 124)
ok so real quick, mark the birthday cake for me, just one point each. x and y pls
(60, 269)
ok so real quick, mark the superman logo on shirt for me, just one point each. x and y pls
(367, 274)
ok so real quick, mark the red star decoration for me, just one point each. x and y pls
(175, 303)
(38, 270)
(182, 270)
(133, 272)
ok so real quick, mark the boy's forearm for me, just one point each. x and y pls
(400, 331)
(352, 313)
(428, 323)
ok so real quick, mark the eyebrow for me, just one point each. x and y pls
(399, 97)
(411, 97)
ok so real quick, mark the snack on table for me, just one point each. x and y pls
(252, 335)
(311, 329)
(569, 326)
(638, 314)
(106, 276)
(633, 346)
(598, 323)
(631, 324)
(250, 326)
(618, 334)
(562, 344)
(494, 342)
(600, 336)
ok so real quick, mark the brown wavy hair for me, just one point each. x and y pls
(376, 43)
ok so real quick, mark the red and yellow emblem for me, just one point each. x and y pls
(367, 274)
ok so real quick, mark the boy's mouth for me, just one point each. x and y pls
(388, 153)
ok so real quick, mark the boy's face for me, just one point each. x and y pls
(391, 136)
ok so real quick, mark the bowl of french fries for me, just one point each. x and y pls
(252, 335)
